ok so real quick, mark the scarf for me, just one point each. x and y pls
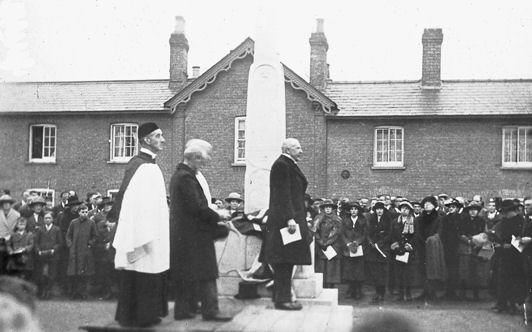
(408, 224)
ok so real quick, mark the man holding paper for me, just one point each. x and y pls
(287, 215)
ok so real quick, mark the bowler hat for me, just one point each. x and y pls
(73, 200)
(6, 199)
(379, 205)
(37, 200)
(327, 202)
(234, 197)
(430, 199)
(247, 290)
(508, 205)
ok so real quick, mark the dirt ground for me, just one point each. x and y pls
(64, 315)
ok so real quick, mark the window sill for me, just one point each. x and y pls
(238, 164)
(516, 168)
(117, 162)
(378, 168)
(36, 162)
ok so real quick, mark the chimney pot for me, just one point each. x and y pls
(319, 25)
(195, 71)
(319, 71)
(179, 25)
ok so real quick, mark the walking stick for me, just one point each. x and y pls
(525, 316)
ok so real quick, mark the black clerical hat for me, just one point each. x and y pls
(147, 128)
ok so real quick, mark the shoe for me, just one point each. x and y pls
(150, 323)
(183, 316)
(219, 317)
(288, 306)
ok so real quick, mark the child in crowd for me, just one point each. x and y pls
(355, 227)
(328, 230)
(20, 250)
(103, 251)
(80, 239)
(48, 241)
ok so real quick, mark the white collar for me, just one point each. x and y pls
(48, 227)
(290, 157)
(148, 152)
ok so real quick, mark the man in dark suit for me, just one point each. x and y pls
(193, 226)
(287, 209)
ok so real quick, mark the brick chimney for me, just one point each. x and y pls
(319, 70)
(178, 55)
(431, 72)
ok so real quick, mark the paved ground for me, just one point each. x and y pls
(451, 316)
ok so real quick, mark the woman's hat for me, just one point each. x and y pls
(453, 201)
(6, 199)
(430, 199)
(327, 202)
(407, 204)
(379, 205)
(234, 197)
(351, 205)
(473, 205)
(37, 200)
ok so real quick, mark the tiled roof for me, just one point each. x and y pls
(455, 98)
(95, 96)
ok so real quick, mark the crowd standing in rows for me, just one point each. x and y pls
(444, 245)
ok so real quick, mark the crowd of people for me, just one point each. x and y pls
(446, 246)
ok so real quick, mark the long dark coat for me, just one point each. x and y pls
(379, 233)
(357, 233)
(450, 238)
(192, 229)
(80, 239)
(287, 201)
(402, 239)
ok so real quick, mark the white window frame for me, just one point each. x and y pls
(121, 159)
(517, 163)
(43, 159)
(237, 160)
(112, 192)
(389, 164)
(47, 191)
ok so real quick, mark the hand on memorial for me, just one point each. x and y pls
(291, 226)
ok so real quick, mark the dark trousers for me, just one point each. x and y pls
(46, 274)
(188, 292)
(282, 277)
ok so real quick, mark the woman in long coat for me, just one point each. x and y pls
(450, 240)
(354, 232)
(403, 238)
(80, 239)
(328, 230)
(377, 251)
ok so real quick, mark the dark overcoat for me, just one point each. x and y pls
(80, 239)
(287, 201)
(352, 232)
(379, 233)
(192, 229)
(47, 240)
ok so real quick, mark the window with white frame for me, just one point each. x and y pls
(240, 140)
(517, 146)
(42, 143)
(123, 140)
(112, 193)
(389, 147)
(46, 193)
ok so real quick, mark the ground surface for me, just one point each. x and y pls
(64, 315)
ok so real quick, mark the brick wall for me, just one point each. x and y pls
(82, 152)
(460, 157)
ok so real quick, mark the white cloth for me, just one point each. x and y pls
(204, 186)
(144, 221)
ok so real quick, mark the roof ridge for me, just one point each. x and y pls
(502, 80)
(88, 81)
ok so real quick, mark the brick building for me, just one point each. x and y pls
(410, 138)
